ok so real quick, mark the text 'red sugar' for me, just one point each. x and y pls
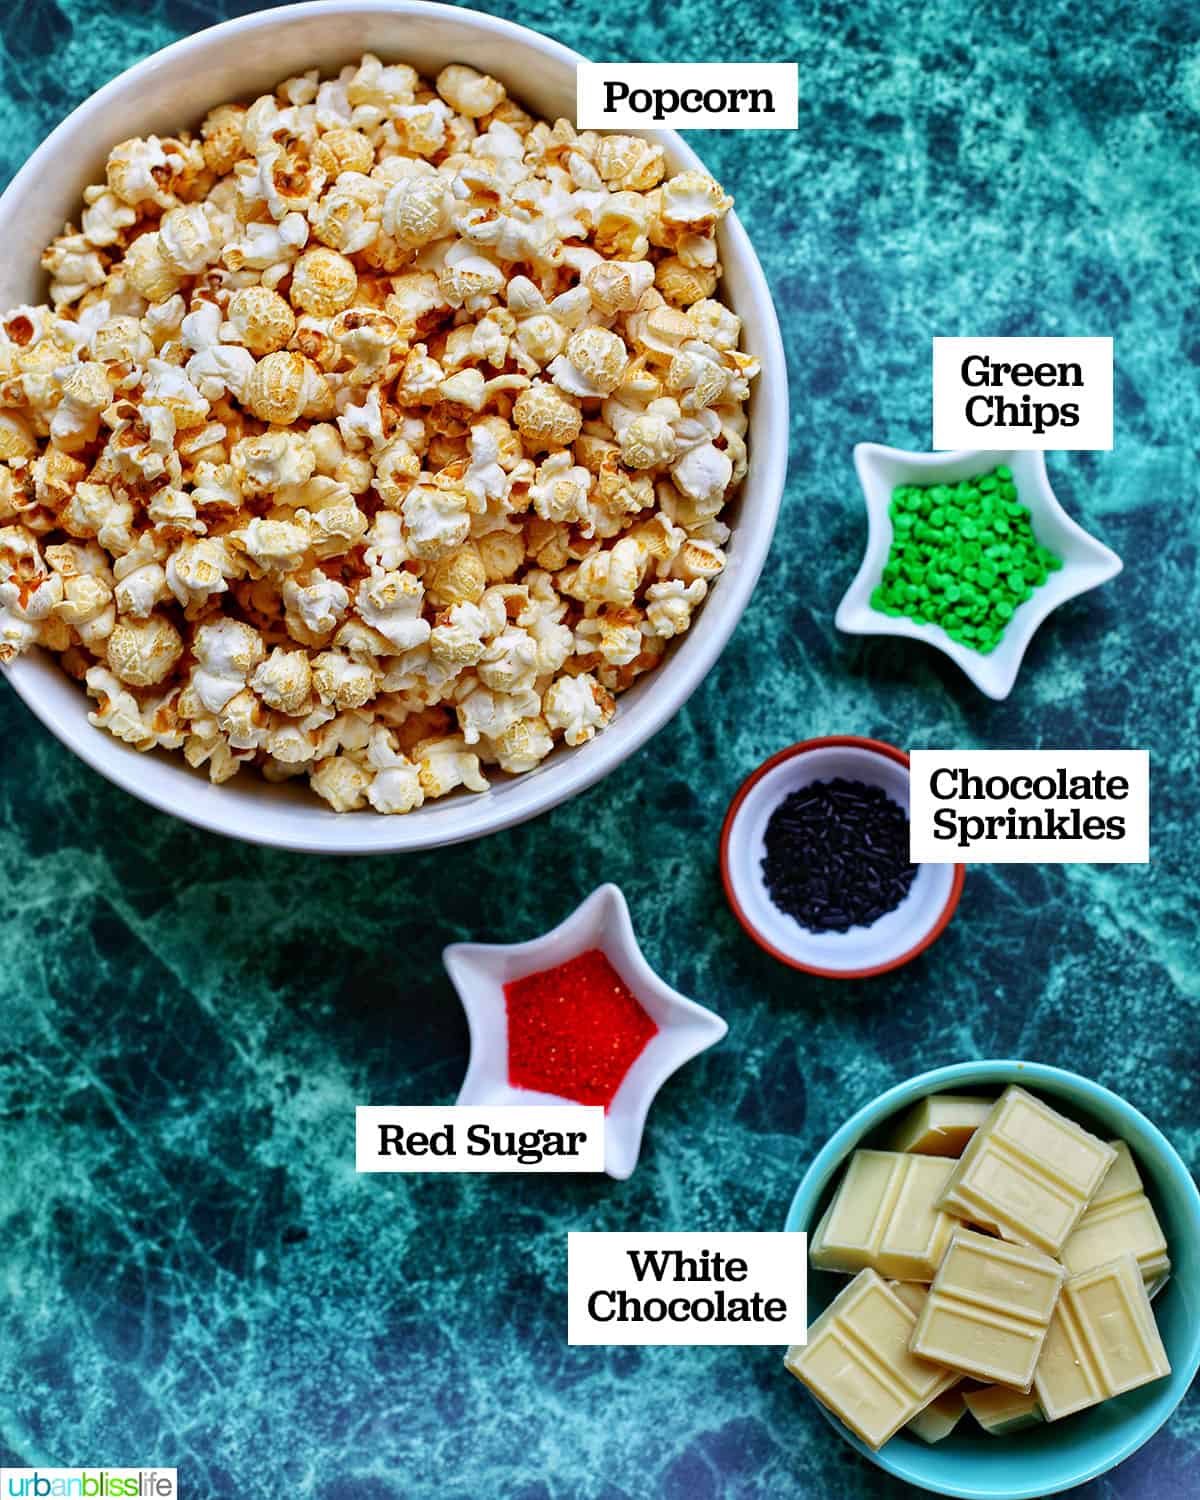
(574, 1030)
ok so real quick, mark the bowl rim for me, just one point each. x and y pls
(802, 747)
(994, 1070)
(367, 832)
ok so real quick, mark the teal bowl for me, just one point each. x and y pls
(1058, 1455)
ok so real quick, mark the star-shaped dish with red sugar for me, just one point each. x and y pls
(479, 972)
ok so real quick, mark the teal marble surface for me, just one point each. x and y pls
(192, 1274)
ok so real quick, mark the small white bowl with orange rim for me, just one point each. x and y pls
(892, 939)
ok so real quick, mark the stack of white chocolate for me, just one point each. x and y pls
(1044, 1313)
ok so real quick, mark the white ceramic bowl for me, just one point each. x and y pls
(238, 60)
(479, 972)
(1087, 563)
(861, 952)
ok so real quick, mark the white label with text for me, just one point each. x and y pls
(686, 96)
(741, 1288)
(1023, 393)
(1023, 807)
(477, 1138)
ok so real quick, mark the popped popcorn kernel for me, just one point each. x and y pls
(561, 489)
(417, 210)
(84, 392)
(626, 161)
(55, 475)
(457, 578)
(618, 286)
(671, 605)
(189, 239)
(546, 418)
(470, 93)
(221, 134)
(148, 270)
(681, 284)
(648, 442)
(139, 172)
(284, 681)
(142, 652)
(592, 364)
(315, 605)
(74, 268)
(260, 319)
(343, 150)
(715, 324)
(501, 553)
(269, 249)
(105, 218)
(226, 652)
(16, 438)
(323, 282)
(396, 786)
(444, 764)
(391, 604)
(277, 459)
(343, 682)
(342, 782)
(280, 388)
(117, 710)
(578, 706)
(199, 570)
(377, 434)
(270, 545)
(436, 520)
(523, 745)
(87, 605)
(691, 203)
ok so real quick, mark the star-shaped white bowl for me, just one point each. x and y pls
(479, 972)
(1087, 563)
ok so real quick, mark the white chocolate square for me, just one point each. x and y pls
(1102, 1341)
(857, 1361)
(988, 1309)
(884, 1216)
(940, 1125)
(1121, 1218)
(1028, 1173)
(999, 1410)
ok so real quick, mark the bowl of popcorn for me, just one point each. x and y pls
(1005, 1299)
(372, 441)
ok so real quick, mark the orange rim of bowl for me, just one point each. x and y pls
(878, 747)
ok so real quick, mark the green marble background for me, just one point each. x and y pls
(190, 1271)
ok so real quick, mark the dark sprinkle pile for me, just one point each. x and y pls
(837, 855)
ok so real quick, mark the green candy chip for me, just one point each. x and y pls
(963, 557)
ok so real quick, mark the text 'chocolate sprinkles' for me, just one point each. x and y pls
(837, 855)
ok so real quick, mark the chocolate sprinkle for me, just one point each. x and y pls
(837, 855)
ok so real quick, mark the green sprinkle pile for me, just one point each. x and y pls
(963, 556)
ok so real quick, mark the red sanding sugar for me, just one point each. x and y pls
(575, 1030)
